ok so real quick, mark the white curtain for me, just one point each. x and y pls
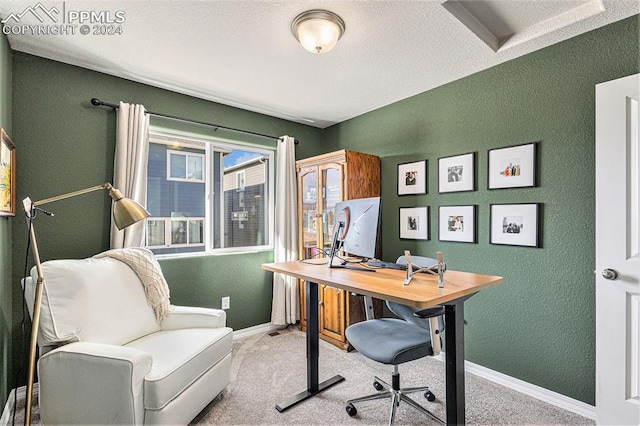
(130, 168)
(285, 308)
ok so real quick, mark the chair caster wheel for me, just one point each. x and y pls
(351, 410)
(378, 386)
(430, 396)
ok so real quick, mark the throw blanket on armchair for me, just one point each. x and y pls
(144, 263)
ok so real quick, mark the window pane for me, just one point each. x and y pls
(245, 189)
(195, 167)
(178, 232)
(178, 166)
(196, 232)
(155, 232)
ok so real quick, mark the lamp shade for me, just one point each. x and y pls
(318, 31)
(126, 212)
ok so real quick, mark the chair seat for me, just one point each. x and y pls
(180, 357)
(389, 340)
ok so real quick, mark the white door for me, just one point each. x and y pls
(618, 252)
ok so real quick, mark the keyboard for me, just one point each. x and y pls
(390, 265)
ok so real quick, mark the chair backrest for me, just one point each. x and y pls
(92, 300)
(406, 312)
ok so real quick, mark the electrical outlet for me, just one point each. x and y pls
(226, 302)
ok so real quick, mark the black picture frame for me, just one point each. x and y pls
(512, 166)
(413, 223)
(457, 173)
(515, 224)
(412, 178)
(458, 223)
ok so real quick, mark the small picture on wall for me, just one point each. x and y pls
(412, 178)
(414, 223)
(457, 173)
(512, 167)
(457, 223)
(515, 224)
(7, 175)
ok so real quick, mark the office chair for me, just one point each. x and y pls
(395, 341)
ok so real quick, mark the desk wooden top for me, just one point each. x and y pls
(386, 283)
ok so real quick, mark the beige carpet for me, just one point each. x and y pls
(267, 370)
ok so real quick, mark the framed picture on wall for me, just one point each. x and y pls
(512, 167)
(515, 224)
(457, 223)
(7, 175)
(414, 223)
(412, 178)
(457, 173)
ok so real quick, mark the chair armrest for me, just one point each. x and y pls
(434, 326)
(93, 383)
(434, 311)
(194, 317)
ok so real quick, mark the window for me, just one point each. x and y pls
(182, 166)
(207, 195)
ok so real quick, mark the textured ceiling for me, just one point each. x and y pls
(242, 53)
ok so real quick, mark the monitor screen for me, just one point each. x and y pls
(356, 226)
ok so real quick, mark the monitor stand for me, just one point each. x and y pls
(334, 249)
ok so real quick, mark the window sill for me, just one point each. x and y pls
(220, 252)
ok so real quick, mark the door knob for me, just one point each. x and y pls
(610, 274)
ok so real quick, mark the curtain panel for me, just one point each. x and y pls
(130, 168)
(285, 307)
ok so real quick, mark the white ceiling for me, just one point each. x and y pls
(242, 52)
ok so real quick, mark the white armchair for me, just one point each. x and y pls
(106, 360)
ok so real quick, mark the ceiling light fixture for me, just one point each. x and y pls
(318, 31)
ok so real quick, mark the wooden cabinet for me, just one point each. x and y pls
(323, 181)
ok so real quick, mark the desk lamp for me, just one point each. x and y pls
(126, 212)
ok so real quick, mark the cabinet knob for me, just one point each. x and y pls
(320, 303)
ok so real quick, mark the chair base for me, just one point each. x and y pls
(396, 394)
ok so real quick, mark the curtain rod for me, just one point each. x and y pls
(98, 103)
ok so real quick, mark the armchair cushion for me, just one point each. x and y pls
(180, 357)
(84, 301)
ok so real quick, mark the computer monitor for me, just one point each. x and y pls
(356, 227)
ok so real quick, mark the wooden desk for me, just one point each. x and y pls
(386, 284)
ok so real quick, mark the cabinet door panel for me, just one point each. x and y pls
(308, 202)
(332, 193)
(332, 314)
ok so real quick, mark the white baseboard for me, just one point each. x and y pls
(540, 393)
(256, 329)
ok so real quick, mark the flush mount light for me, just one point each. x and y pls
(318, 31)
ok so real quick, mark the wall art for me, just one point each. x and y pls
(414, 223)
(457, 173)
(457, 223)
(512, 167)
(412, 178)
(515, 224)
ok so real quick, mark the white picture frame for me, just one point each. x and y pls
(515, 224)
(512, 167)
(457, 223)
(457, 173)
(412, 178)
(414, 223)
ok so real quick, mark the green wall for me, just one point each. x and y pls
(539, 325)
(65, 144)
(6, 284)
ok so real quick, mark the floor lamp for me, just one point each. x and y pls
(126, 212)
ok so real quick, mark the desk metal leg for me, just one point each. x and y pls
(313, 354)
(454, 338)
